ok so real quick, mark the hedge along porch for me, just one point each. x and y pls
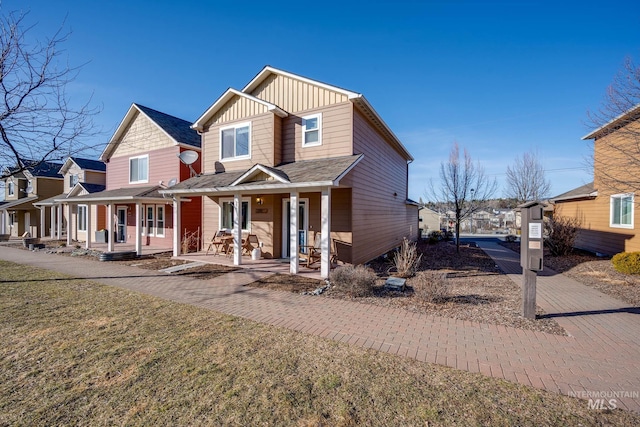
(284, 206)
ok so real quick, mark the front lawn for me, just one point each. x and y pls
(78, 353)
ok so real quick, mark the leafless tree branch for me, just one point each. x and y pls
(526, 180)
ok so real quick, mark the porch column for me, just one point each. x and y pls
(69, 228)
(325, 234)
(52, 213)
(237, 229)
(293, 233)
(110, 237)
(176, 226)
(59, 222)
(43, 210)
(138, 229)
(87, 243)
(3, 222)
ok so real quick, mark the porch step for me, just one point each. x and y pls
(182, 267)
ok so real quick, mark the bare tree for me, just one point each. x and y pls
(464, 187)
(526, 180)
(616, 154)
(38, 119)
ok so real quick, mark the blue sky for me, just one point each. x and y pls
(498, 77)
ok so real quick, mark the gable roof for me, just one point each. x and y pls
(301, 174)
(178, 130)
(356, 98)
(226, 97)
(583, 192)
(85, 164)
(39, 169)
(623, 119)
(118, 194)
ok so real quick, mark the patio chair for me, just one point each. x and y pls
(311, 254)
(250, 243)
(217, 242)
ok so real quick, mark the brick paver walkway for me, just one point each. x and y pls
(600, 355)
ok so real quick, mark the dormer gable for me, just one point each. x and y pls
(262, 173)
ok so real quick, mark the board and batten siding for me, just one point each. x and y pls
(294, 96)
(336, 132)
(141, 135)
(237, 108)
(163, 165)
(381, 218)
(261, 150)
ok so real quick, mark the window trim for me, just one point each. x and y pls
(160, 230)
(150, 223)
(621, 196)
(304, 130)
(234, 127)
(224, 200)
(77, 179)
(144, 181)
(82, 219)
(11, 188)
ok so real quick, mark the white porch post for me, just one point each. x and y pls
(110, 237)
(87, 243)
(59, 222)
(43, 210)
(176, 226)
(237, 229)
(138, 229)
(69, 227)
(3, 222)
(52, 213)
(294, 266)
(325, 235)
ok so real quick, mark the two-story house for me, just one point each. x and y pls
(142, 157)
(605, 208)
(81, 176)
(288, 157)
(40, 180)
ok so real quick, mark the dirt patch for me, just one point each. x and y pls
(478, 292)
(593, 271)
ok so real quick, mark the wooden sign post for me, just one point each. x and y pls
(531, 252)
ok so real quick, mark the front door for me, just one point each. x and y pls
(303, 224)
(121, 229)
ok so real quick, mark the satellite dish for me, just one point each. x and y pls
(188, 157)
(172, 182)
(29, 189)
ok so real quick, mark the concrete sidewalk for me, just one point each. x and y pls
(599, 356)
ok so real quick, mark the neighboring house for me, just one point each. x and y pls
(81, 176)
(142, 158)
(606, 211)
(40, 180)
(429, 220)
(287, 157)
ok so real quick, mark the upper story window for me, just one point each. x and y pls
(11, 188)
(312, 130)
(73, 180)
(235, 142)
(139, 169)
(622, 211)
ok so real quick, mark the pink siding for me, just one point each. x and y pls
(163, 165)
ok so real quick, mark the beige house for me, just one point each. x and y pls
(288, 157)
(429, 221)
(18, 215)
(80, 176)
(606, 207)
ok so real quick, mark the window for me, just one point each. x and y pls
(235, 142)
(139, 169)
(160, 221)
(622, 211)
(11, 188)
(150, 222)
(226, 219)
(73, 180)
(312, 130)
(82, 217)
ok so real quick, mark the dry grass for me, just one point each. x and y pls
(77, 353)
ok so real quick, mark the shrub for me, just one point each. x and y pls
(431, 286)
(406, 260)
(561, 234)
(627, 262)
(435, 236)
(355, 281)
(510, 238)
